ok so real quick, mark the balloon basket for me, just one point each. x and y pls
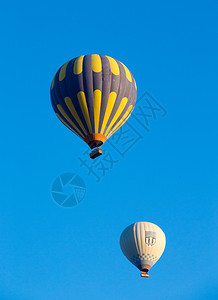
(95, 153)
(143, 274)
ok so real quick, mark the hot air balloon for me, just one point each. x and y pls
(93, 95)
(143, 244)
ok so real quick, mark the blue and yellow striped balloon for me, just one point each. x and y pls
(93, 95)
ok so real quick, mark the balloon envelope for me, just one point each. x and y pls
(93, 95)
(143, 244)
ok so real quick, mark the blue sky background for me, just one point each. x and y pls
(169, 177)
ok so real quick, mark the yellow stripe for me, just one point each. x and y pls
(114, 66)
(74, 113)
(52, 85)
(118, 113)
(62, 73)
(96, 63)
(120, 123)
(78, 65)
(68, 119)
(110, 104)
(128, 74)
(82, 101)
(135, 84)
(59, 117)
(97, 108)
(118, 127)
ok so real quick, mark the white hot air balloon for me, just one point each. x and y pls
(143, 244)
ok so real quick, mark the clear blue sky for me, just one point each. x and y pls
(169, 177)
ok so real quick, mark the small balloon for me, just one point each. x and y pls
(143, 244)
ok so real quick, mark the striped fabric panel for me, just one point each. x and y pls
(93, 94)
